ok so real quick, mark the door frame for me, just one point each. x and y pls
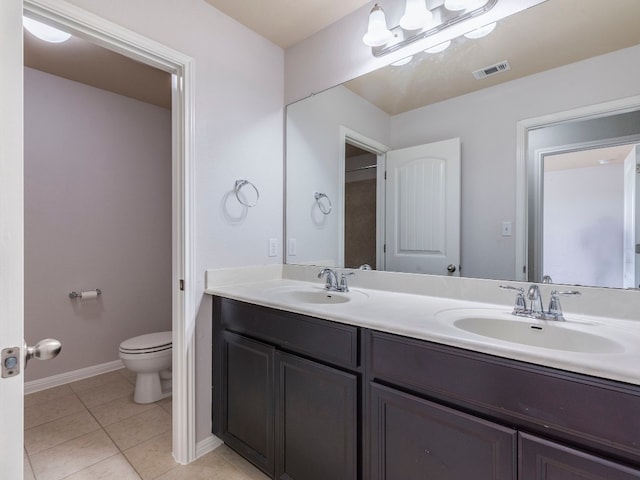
(128, 43)
(524, 190)
(380, 150)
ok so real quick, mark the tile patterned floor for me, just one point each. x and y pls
(92, 430)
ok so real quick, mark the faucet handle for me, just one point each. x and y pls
(344, 286)
(555, 309)
(520, 306)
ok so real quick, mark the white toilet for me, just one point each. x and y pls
(150, 357)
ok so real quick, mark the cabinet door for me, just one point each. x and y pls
(544, 460)
(412, 438)
(248, 399)
(316, 432)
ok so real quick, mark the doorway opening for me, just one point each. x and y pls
(360, 207)
(130, 44)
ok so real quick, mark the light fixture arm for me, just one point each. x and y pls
(398, 32)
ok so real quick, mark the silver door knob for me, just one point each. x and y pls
(43, 350)
(451, 268)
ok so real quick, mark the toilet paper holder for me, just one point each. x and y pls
(79, 295)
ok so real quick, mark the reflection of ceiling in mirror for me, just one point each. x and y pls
(594, 157)
(546, 36)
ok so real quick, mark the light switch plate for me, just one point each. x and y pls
(507, 229)
(292, 249)
(273, 247)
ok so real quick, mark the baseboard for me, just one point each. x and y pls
(207, 445)
(68, 377)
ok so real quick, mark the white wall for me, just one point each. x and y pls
(486, 123)
(313, 160)
(97, 215)
(239, 83)
(583, 225)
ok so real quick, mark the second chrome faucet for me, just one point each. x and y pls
(331, 283)
(535, 309)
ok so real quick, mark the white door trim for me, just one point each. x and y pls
(522, 129)
(380, 150)
(124, 41)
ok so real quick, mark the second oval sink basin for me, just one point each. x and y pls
(319, 297)
(539, 334)
(314, 296)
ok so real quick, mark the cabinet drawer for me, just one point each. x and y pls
(541, 460)
(321, 339)
(597, 413)
(414, 439)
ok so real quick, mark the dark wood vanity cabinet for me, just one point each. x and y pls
(414, 439)
(308, 399)
(287, 391)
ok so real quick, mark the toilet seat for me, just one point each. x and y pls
(149, 343)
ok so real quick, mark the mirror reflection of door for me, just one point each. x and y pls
(423, 209)
(589, 217)
(360, 207)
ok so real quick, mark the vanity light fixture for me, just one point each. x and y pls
(402, 61)
(457, 5)
(439, 48)
(481, 32)
(377, 34)
(416, 16)
(45, 32)
(417, 23)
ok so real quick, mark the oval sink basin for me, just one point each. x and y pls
(318, 296)
(539, 334)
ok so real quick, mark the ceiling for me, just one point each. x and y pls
(546, 36)
(551, 34)
(287, 22)
(595, 157)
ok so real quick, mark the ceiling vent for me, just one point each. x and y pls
(492, 70)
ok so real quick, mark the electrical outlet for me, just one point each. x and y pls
(273, 247)
(292, 249)
(507, 229)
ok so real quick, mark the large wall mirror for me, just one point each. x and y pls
(447, 143)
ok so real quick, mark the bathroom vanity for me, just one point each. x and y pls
(309, 398)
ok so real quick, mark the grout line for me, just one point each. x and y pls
(101, 427)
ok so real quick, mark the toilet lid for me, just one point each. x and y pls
(155, 341)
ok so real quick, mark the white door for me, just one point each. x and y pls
(11, 234)
(423, 209)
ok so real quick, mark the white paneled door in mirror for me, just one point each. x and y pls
(423, 209)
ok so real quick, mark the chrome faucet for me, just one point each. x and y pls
(535, 301)
(331, 283)
(332, 280)
(535, 309)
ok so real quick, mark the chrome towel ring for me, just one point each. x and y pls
(243, 183)
(323, 205)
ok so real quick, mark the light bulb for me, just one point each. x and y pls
(481, 32)
(377, 34)
(455, 5)
(45, 32)
(416, 15)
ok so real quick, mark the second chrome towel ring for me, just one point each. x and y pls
(324, 205)
(239, 186)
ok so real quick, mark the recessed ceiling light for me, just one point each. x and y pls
(45, 32)
(604, 161)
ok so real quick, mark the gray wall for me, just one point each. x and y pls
(97, 215)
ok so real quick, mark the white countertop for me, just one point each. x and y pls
(425, 317)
